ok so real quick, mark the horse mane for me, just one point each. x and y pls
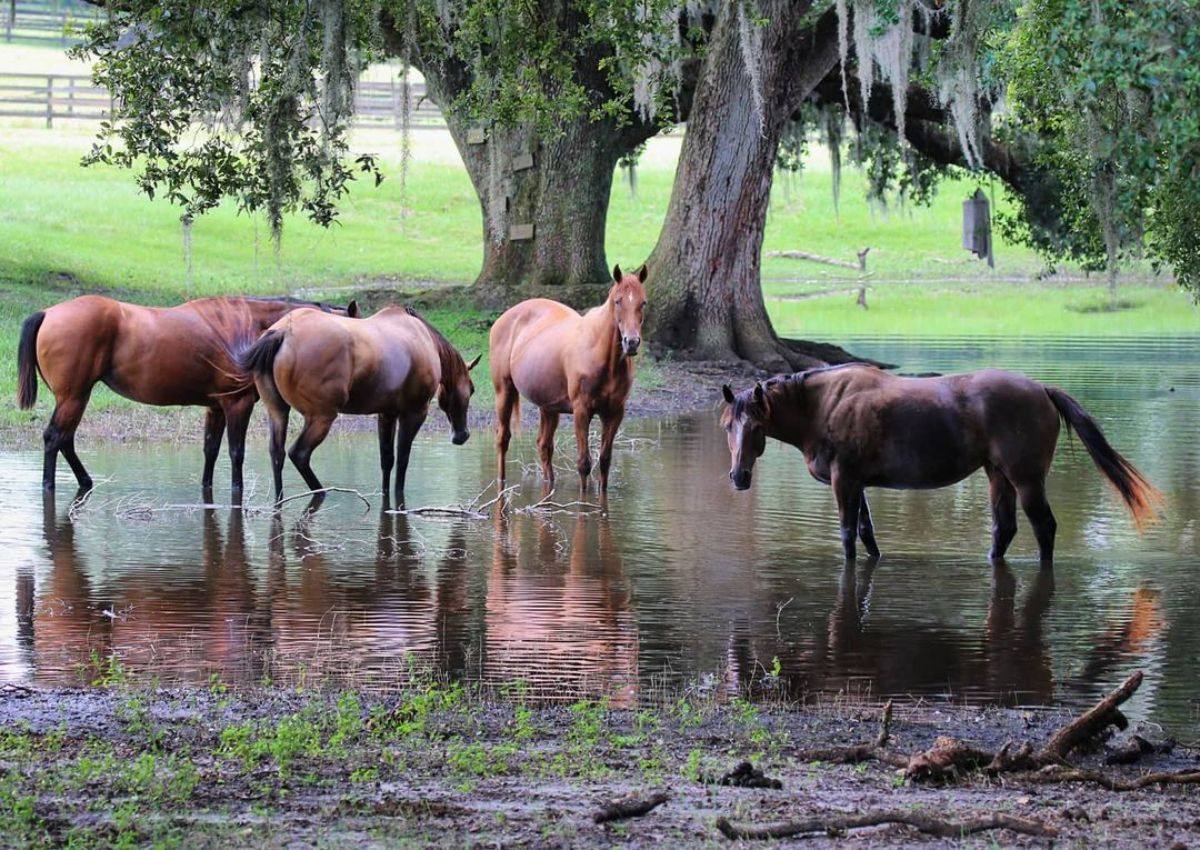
(447, 353)
(776, 386)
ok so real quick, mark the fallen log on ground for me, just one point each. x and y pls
(630, 808)
(834, 825)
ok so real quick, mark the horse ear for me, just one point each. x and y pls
(352, 309)
(475, 362)
(642, 273)
(617, 274)
(727, 392)
(758, 393)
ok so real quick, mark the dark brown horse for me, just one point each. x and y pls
(567, 363)
(392, 365)
(185, 355)
(860, 427)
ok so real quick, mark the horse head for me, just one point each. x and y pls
(454, 395)
(745, 421)
(628, 300)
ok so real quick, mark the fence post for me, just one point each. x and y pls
(9, 19)
(70, 95)
(49, 102)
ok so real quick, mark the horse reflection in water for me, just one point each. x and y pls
(1012, 664)
(559, 612)
(183, 631)
(339, 621)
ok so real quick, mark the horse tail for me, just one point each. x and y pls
(1140, 496)
(259, 359)
(27, 363)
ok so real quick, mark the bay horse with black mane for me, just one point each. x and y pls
(183, 355)
(391, 365)
(567, 363)
(860, 427)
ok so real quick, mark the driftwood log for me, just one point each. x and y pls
(838, 824)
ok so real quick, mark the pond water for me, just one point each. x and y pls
(682, 583)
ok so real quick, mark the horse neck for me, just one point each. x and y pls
(792, 405)
(601, 334)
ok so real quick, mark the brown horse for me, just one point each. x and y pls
(862, 427)
(391, 365)
(185, 355)
(567, 363)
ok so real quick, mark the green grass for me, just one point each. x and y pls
(987, 309)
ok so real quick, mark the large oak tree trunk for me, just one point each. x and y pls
(564, 196)
(705, 292)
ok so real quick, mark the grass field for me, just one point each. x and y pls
(64, 229)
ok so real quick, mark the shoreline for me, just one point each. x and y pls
(435, 765)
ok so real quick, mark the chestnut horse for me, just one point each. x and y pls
(862, 427)
(185, 355)
(567, 363)
(391, 365)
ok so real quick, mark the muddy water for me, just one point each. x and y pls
(682, 583)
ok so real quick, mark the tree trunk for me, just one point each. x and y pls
(559, 186)
(705, 291)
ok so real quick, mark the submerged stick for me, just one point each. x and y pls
(323, 491)
(833, 825)
(630, 808)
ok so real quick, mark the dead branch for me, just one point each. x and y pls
(817, 258)
(1091, 724)
(1054, 773)
(885, 726)
(545, 504)
(1007, 759)
(838, 824)
(946, 759)
(310, 493)
(630, 807)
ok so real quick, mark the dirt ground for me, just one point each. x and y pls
(434, 766)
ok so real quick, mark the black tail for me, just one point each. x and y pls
(27, 365)
(1139, 495)
(259, 359)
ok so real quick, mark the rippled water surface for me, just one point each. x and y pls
(681, 583)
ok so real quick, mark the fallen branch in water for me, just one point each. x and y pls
(322, 491)
(834, 825)
(546, 505)
(631, 807)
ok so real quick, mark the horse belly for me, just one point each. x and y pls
(542, 383)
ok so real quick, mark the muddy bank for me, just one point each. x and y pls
(436, 766)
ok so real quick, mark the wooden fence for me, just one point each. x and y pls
(42, 22)
(50, 97)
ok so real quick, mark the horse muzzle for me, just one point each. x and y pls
(460, 437)
(740, 479)
(630, 345)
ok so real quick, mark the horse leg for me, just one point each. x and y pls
(387, 449)
(849, 495)
(409, 426)
(278, 415)
(608, 433)
(1004, 512)
(583, 461)
(59, 436)
(506, 400)
(1033, 502)
(315, 429)
(214, 430)
(866, 528)
(237, 420)
(547, 425)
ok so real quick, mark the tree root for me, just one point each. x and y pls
(1054, 773)
(630, 808)
(839, 824)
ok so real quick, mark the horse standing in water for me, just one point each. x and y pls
(391, 365)
(184, 355)
(862, 427)
(567, 363)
